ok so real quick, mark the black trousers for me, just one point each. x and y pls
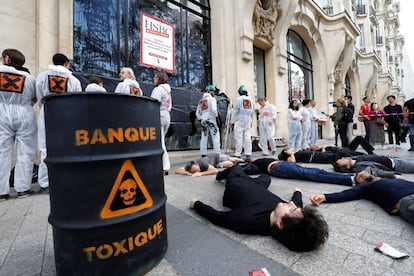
(342, 129)
(360, 141)
(394, 129)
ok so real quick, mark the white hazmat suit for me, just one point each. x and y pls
(17, 124)
(242, 117)
(58, 79)
(267, 115)
(207, 113)
(128, 86)
(306, 127)
(162, 93)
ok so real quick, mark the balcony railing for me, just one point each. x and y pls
(379, 40)
(361, 10)
(328, 10)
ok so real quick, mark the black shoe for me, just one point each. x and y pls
(24, 194)
(44, 190)
(4, 197)
(410, 149)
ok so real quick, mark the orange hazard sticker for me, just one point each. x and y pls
(58, 84)
(128, 194)
(134, 91)
(11, 82)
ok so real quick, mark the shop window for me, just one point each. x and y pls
(300, 75)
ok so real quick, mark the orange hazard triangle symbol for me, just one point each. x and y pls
(128, 194)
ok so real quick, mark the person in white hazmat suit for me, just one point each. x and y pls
(17, 123)
(267, 117)
(162, 92)
(128, 85)
(207, 113)
(295, 128)
(58, 79)
(314, 117)
(242, 118)
(306, 123)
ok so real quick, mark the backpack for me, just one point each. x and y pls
(347, 115)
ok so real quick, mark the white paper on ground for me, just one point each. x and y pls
(390, 251)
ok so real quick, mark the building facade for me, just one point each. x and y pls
(281, 49)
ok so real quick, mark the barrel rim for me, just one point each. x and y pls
(47, 98)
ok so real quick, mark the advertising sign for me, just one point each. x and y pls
(157, 43)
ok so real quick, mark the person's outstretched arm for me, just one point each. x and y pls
(182, 171)
(210, 171)
(347, 195)
(220, 218)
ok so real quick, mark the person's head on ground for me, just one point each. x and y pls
(343, 165)
(61, 59)
(126, 73)
(96, 79)
(340, 102)
(366, 100)
(242, 90)
(285, 154)
(315, 147)
(160, 78)
(364, 177)
(192, 167)
(391, 99)
(294, 105)
(13, 56)
(262, 101)
(300, 229)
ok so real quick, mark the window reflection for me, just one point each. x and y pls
(107, 37)
(299, 68)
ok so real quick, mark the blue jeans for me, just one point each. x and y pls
(294, 171)
(407, 208)
(403, 166)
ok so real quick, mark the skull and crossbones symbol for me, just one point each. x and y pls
(128, 191)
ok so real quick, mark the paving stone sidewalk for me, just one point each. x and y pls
(196, 247)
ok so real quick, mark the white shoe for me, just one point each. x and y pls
(383, 147)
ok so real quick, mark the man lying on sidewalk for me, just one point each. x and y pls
(208, 165)
(283, 169)
(255, 210)
(381, 166)
(326, 154)
(395, 196)
(309, 156)
(350, 149)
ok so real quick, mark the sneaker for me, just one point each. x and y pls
(4, 197)
(24, 194)
(44, 190)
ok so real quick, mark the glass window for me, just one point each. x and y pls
(259, 73)
(107, 37)
(300, 78)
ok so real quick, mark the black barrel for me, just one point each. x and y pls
(107, 200)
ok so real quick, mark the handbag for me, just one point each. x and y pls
(380, 121)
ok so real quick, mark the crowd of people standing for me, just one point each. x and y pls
(19, 91)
